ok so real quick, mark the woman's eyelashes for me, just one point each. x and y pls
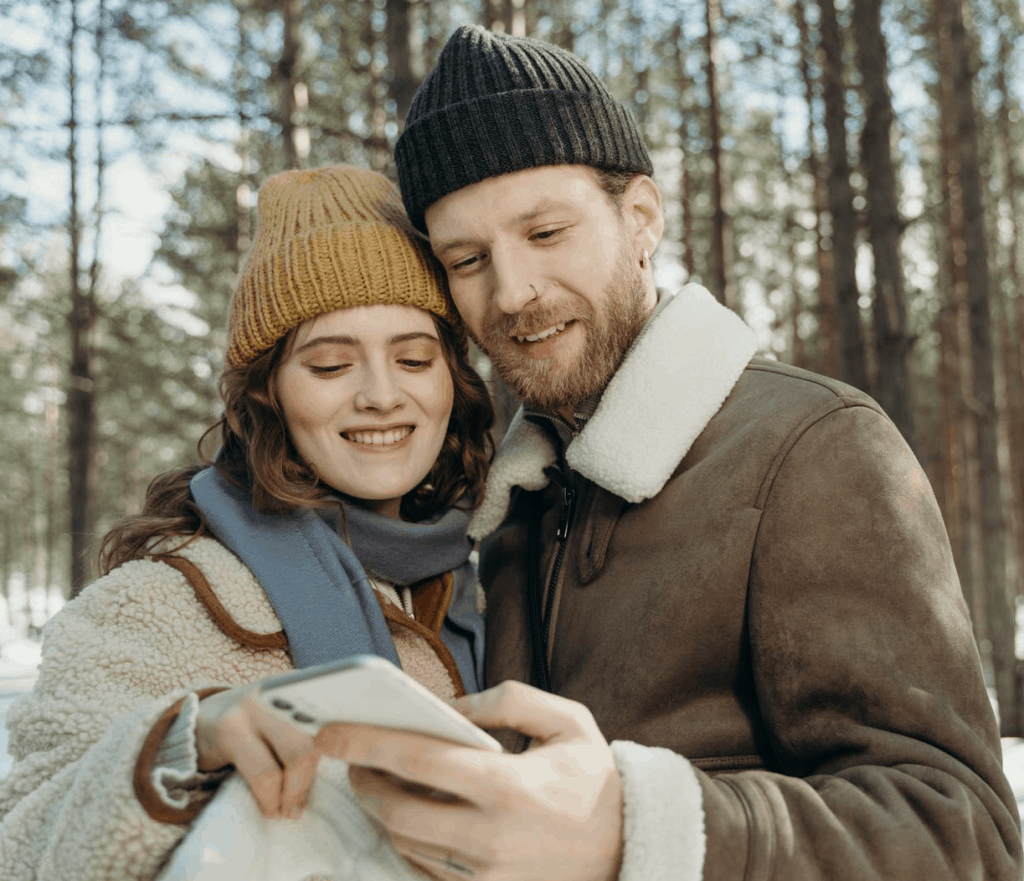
(328, 369)
(417, 363)
(414, 364)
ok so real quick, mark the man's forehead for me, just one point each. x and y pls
(513, 199)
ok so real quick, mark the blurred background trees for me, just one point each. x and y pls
(847, 174)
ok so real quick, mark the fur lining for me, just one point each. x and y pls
(524, 454)
(662, 815)
(673, 380)
(671, 383)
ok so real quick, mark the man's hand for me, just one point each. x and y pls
(553, 812)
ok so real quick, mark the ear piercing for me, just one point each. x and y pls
(644, 258)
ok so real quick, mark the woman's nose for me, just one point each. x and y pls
(379, 390)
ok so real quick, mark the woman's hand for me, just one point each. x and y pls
(277, 760)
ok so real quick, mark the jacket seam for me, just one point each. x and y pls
(720, 764)
(767, 366)
(840, 403)
(752, 872)
(207, 596)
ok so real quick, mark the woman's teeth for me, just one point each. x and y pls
(378, 438)
(543, 335)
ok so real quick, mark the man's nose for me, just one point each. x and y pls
(514, 287)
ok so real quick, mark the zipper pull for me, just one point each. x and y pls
(564, 519)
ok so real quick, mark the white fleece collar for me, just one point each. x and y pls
(672, 381)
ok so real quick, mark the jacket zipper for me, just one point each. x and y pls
(542, 624)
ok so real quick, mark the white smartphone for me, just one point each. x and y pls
(368, 690)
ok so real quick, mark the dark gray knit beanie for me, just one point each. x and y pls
(495, 104)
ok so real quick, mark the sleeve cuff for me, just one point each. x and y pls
(662, 815)
(175, 773)
(174, 792)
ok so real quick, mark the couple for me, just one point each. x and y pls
(727, 579)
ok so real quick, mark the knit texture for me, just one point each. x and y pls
(328, 238)
(494, 104)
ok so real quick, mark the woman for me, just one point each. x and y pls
(354, 439)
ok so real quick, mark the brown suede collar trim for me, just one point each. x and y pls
(208, 597)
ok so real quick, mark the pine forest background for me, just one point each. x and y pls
(847, 174)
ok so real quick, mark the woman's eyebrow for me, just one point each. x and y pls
(336, 339)
(346, 340)
(414, 335)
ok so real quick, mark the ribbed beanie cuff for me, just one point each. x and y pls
(495, 104)
(328, 238)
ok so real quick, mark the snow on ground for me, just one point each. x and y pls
(18, 662)
(19, 658)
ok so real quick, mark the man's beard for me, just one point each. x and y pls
(608, 338)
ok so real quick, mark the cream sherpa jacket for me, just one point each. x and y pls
(88, 798)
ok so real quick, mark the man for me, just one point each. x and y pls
(737, 567)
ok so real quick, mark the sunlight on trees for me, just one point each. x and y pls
(846, 173)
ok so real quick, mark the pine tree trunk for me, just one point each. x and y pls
(828, 345)
(294, 100)
(505, 16)
(50, 501)
(893, 342)
(999, 608)
(81, 389)
(852, 367)
(682, 84)
(376, 96)
(955, 374)
(244, 189)
(404, 43)
(1013, 296)
(799, 348)
(719, 271)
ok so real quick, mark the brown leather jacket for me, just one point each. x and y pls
(784, 613)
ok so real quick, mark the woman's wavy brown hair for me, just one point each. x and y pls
(257, 454)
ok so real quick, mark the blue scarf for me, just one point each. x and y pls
(318, 585)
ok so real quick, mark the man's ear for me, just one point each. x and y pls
(641, 206)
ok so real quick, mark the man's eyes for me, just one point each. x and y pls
(465, 262)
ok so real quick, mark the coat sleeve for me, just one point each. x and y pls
(116, 660)
(869, 682)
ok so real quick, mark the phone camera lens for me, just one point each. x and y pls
(281, 703)
(304, 718)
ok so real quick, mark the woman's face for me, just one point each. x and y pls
(366, 395)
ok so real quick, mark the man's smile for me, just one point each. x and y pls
(547, 333)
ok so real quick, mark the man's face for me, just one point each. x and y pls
(542, 268)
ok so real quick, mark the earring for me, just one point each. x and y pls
(643, 259)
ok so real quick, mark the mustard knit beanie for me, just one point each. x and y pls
(327, 238)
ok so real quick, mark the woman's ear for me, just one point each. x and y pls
(641, 206)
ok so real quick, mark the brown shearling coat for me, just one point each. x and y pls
(785, 614)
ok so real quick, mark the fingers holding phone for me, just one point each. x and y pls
(276, 759)
(551, 813)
